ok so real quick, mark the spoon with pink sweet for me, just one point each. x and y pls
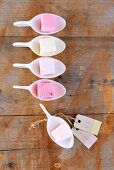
(45, 89)
(44, 23)
(59, 130)
(44, 67)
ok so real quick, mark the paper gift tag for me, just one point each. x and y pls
(87, 124)
(86, 138)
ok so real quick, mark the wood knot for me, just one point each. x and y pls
(112, 82)
(1, 156)
(91, 83)
(105, 80)
(77, 49)
(57, 165)
(11, 164)
(109, 76)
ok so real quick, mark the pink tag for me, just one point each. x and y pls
(47, 23)
(92, 139)
(86, 138)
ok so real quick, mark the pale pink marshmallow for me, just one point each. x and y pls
(47, 66)
(46, 90)
(47, 23)
(62, 132)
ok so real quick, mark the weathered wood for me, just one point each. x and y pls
(52, 159)
(15, 133)
(84, 18)
(34, 149)
(88, 78)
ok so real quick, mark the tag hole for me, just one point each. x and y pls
(77, 129)
(79, 121)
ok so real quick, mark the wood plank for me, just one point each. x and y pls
(88, 78)
(60, 159)
(15, 133)
(30, 148)
(84, 18)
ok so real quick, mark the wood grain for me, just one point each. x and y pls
(89, 90)
(84, 18)
(89, 80)
(35, 145)
(15, 133)
(53, 159)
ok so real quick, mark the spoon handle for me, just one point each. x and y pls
(45, 111)
(21, 87)
(20, 44)
(18, 65)
(21, 24)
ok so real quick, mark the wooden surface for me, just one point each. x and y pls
(89, 79)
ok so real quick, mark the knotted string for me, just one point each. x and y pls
(38, 122)
(68, 118)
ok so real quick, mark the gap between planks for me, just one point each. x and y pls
(64, 37)
(53, 114)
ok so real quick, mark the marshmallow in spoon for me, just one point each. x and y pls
(46, 90)
(60, 133)
(47, 23)
(47, 66)
(47, 46)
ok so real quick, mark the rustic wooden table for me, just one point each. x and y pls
(89, 79)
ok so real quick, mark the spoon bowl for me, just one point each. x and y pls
(33, 88)
(35, 23)
(34, 67)
(34, 45)
(52, 123)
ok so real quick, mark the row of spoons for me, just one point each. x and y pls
(57, 128)
(59, 68)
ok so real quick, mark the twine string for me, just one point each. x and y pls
(38, 122)
(68, 118)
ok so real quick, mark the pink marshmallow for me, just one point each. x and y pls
(47, 23)
(46, 90)
(62, 132)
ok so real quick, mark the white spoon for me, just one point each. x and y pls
(34, 45)
(35, 24)
(33, 88)
(52, 123)
(35, 67)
